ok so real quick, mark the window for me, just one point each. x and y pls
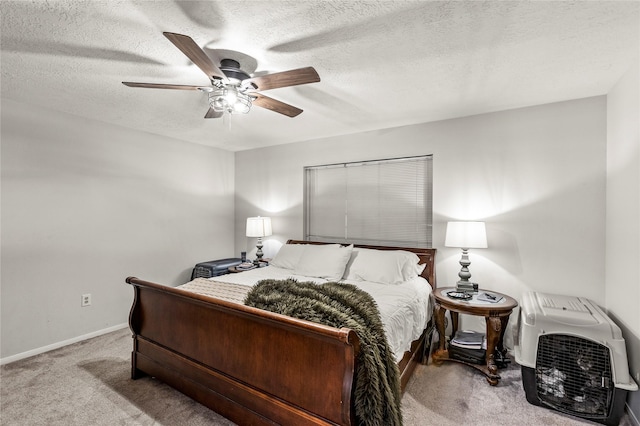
(370, 202)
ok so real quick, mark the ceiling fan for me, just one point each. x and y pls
(232, 90)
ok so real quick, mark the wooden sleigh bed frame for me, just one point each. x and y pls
(253, 366)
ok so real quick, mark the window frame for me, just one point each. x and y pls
(423, 186)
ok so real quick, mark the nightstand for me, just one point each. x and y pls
(496, 316)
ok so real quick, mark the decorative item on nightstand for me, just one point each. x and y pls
(465, 235)
(258, 227)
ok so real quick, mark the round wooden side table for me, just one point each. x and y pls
(496, 316)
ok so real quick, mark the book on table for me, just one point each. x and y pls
(245, 266)
(489, 297)
(469, 340)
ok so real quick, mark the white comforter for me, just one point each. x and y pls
(405, 308)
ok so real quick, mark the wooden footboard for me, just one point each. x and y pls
(251, 366)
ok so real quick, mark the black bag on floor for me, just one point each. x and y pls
(473, 356)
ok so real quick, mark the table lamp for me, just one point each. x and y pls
(465, 235)
(258, 227)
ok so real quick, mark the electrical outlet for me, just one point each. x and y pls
(86, 300)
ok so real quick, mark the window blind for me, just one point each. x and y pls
(382, 202)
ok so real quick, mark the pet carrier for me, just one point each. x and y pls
(573, 357)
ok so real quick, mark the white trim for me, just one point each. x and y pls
(632, 415)
(57, 345)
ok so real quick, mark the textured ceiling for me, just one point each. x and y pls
(382, 63)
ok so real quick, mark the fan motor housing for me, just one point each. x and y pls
(231, 68)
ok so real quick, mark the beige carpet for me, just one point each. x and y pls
(88, 383)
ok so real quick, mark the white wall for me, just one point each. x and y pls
(86, 204)
(536, 176)
(623, 216)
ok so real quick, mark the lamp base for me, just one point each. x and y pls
(466, 287)
(259, 253)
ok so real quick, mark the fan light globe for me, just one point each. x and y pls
(230, 100)
(231, 96)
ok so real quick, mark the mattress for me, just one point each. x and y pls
(405, 308)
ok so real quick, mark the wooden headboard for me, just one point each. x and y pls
(427, 256)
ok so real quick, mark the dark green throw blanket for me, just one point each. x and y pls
(377, 385)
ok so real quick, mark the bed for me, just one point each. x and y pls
(259, 367)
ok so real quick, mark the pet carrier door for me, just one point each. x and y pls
(573, 375)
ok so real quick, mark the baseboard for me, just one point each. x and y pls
(634, 417)
(43, 349)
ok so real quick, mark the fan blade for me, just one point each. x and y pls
(283, 79)
(274, 105)
(164, 86)
(196, 54)
(213, 114)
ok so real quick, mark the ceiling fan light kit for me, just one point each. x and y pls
(229, 99)
(232, 90)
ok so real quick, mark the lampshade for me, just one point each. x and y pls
(259, 226)
(466, 235)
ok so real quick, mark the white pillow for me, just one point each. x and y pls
(383, 266)
(324, 261)
(288, 256)
(413, 270)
